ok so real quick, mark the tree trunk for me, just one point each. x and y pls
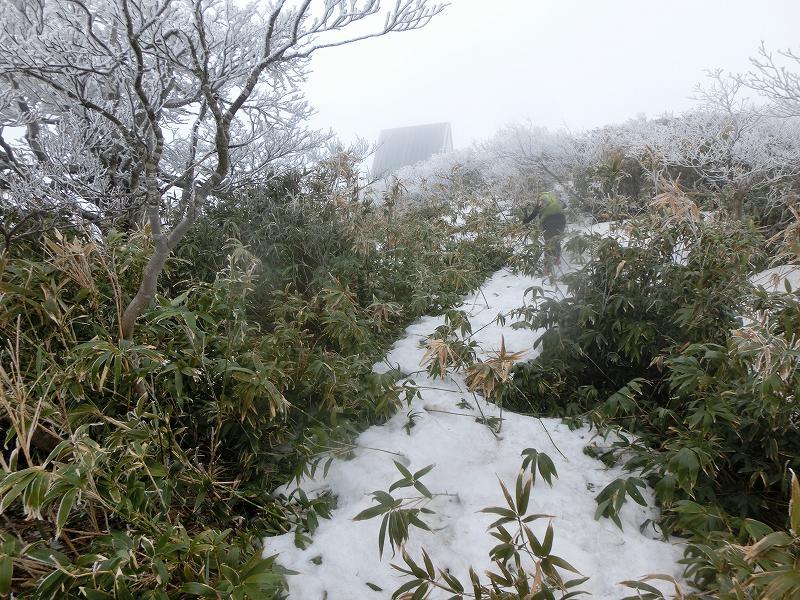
(164, 245)
(738, 203)
(147, 288)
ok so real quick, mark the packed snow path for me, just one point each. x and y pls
(343, 558)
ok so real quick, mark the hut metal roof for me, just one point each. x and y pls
(405, 146)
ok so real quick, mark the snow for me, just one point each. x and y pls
(343, 557)
(773, 280)
(613, 229)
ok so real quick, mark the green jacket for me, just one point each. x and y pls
(550, 205)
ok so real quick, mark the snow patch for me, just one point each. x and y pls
(774, 280)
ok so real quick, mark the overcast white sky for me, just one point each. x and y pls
(576, 63)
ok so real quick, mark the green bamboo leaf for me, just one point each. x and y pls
(547, 544)
(576, 582)
(383, 497)
(559, 562)
(632, 487)
(415, 568)
(423, 472)
(794, 506)
(641, 586)
(195, 588)
(455, 584)
(428, 565)
(406, 587)
(509, 499)
(20, 484)
(400, 483)
(64, 508)
(601, 509)
(421, 592)
(665, 488)
(371, 513)
(13, 478)
(503, 512)
(501, 521)
(537, 516)
(476, 584)
(403, 471)
(533, 541)
(6, 573)
(422, 489)
(415, 520)
(522, 501)
(382, 534)
(547, 468)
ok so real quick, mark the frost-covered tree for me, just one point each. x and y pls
(155, 106)
(552, 157)
(728, 143)
(728, 147)
(776, 77)
(441, 174)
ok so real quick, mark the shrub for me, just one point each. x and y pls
(147, 469)
(651, 343)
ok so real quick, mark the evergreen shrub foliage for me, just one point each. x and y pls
(147, 468)
(663, 340)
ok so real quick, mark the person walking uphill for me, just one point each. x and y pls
(552, 221)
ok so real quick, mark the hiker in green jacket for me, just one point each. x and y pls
(552, 221)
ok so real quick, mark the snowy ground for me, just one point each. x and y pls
(774, 279)
(469, 459)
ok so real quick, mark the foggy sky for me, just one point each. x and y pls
(575, 63)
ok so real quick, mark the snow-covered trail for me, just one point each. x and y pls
(469, 459)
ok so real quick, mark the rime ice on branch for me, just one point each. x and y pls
(154, 106)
